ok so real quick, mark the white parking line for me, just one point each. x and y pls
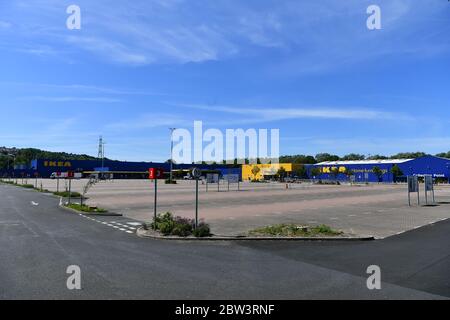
(134, 223)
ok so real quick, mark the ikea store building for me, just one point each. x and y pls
(363, 170)
(119, 169)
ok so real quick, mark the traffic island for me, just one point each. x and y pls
(169, 228)
(88, 210)
(296, 230)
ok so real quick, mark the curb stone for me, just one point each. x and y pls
(105, 214)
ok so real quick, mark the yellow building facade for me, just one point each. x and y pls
(265, 170)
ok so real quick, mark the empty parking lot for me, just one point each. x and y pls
(377, 209)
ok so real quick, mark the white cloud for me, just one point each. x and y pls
(315, 36)
(78, 88)
(264, 114)
(148, 121)
(71, 99)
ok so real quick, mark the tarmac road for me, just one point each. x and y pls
(38, 241)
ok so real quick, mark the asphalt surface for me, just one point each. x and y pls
(39, 240)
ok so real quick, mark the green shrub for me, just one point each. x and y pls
(27, 186)
(202, 230)
(166, 227)
(169, 182)
(167, 224)
(182, 230)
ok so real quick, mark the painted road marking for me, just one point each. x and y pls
(134, 223)
(116, 225)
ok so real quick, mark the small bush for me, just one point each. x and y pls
(169, 182)
(202, 230)
(182, 230)
(167, 224)
(27, 186)
(166, 227)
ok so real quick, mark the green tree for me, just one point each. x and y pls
(281, 173)
(377, 172)
(301, 172)
(353, 156)
(377, 157)
(322, 157)
(408, 155)
(444, 155)
(396, 171)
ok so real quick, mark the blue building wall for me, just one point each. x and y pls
(436, 166)
(45, 168)
(427, 165)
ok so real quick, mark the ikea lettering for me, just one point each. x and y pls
(344, 170)
(330, 169)
(60, 164)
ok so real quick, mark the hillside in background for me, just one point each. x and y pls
(8, 156)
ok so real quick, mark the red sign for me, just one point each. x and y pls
(155, 173)
(70, 174)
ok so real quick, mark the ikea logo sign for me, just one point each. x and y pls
(61, 164)
(331, 169)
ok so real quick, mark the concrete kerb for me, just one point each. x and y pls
(102, 214)
(141, 232)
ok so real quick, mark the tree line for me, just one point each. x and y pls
(14, 156)
(322, 157)
(17, 156)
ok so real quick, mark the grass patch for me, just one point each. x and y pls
(65, 194)
(84, 208)
(295, 230)
(7, 182)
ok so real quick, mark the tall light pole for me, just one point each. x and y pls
(171, 153)
(103, 155)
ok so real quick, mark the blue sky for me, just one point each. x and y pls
(310, 68)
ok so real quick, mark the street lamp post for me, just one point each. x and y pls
(171, 153)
